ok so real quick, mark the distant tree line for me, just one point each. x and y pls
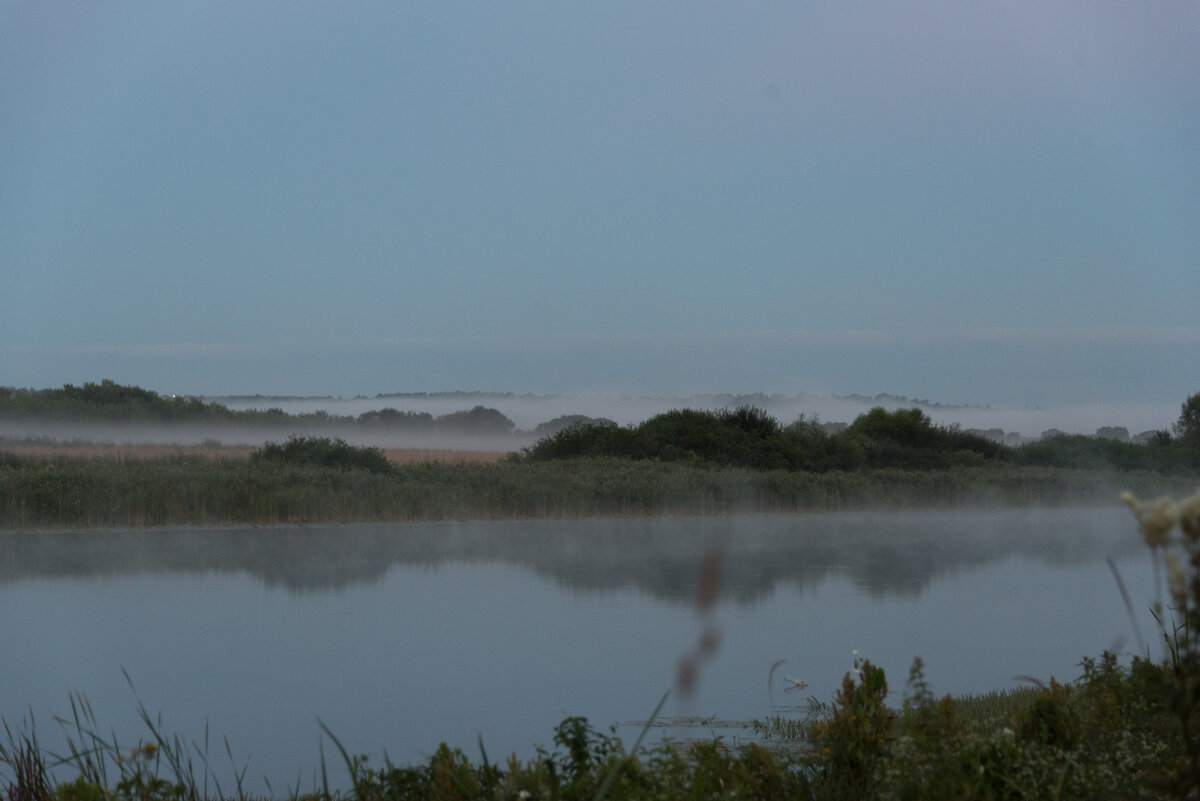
(108, 401)
(745, 436)
(749, 437)
(905, 438)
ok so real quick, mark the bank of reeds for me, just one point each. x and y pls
(181, 490)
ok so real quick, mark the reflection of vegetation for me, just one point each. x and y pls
(883, 553)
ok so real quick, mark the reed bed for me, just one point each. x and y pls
(182, 489)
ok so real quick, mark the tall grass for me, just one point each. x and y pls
(82, 492)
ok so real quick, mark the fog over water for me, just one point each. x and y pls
(884, 553)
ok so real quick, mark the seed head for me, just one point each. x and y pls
(1175, 577)
(1155, 518)
(1188, 512)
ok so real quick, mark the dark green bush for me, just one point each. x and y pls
(562, 422)
(1049, 721)
(749, 438)
(690, 434)
(479, 420)
(907, 438)
(324, 452)
(395, 419)
(1092, 453)
(583, 439)
(743, 437)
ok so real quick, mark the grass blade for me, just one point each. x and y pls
(602, 791)
(345, 757)
(1137, 632)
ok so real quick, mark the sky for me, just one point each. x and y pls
(993, 202)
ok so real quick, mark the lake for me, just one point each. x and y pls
(400, 636)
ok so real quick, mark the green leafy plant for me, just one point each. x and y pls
(324, 452)
(852, 737)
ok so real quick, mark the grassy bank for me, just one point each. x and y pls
(70, 492)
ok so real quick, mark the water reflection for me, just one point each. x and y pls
(882, 553)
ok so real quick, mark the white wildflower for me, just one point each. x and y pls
(1155, 518)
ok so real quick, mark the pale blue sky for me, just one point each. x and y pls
(969, 202)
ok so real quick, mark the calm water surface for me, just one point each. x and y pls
(402, 636)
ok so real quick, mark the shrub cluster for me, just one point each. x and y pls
(1098, 453)
(880, 439)
(324, 452)
(749, 437)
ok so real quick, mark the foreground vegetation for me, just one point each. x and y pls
(1121, 730)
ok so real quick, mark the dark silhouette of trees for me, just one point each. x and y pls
(479, 420)
(749, 437)
(1187, 427)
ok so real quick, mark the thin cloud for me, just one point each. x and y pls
(1128, 335)
(150, 349)
(1145, 335)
